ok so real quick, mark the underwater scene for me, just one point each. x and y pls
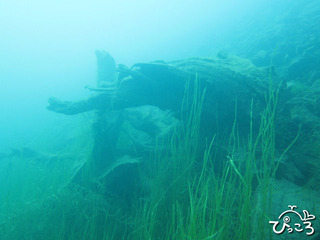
(159, 120)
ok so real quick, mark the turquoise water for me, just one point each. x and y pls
(125, 141)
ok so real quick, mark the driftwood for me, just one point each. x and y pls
(227, 79)
(130, 102)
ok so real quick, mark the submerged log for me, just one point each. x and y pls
(145, 102)
(226, 79)
(140, 99)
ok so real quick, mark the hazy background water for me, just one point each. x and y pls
(47, 47)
